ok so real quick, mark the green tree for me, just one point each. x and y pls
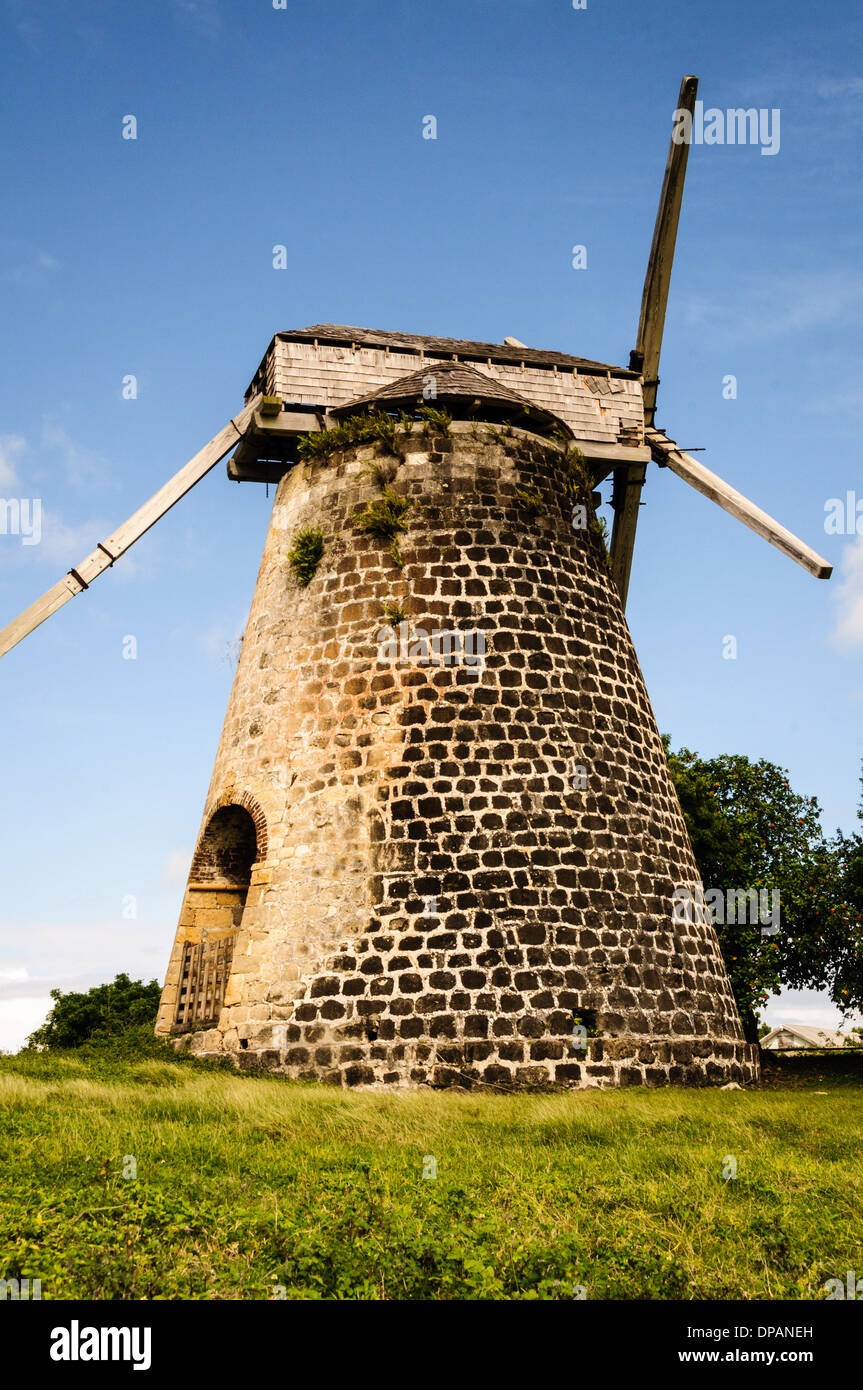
(104, 1011)
(750, 830)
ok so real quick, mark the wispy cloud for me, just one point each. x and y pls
(63, 544)
(849, 597)
(13, 974)
(77, 955)
(780, 306)
(808, 1007)
(201, 15)
(223, 641)
(831, 88)
(26, 267)
(25, 22)
(11, 446)
(21, 1017)
(82, 466)
(175, 870)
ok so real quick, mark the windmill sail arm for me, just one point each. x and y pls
(665, 451)
(651, 322)
(106, 552)
(657, 281)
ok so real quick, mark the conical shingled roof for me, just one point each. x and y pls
(453, 381)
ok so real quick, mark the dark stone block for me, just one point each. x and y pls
(497, 1075)
(443, 1026)
(359, 1076)
(546, 1049)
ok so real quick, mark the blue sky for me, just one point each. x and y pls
(303, 127)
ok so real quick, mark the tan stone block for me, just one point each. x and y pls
(214, 917)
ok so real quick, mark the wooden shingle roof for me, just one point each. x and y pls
(445, 347)
(452, 381)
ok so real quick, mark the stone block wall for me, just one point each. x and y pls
(457, 864)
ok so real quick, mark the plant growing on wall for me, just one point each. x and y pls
(384, 518)
(437, 419)
(394, 613)
(383, 470)
(378, 428)
(305, 554)
(499, 436)
(530, 502)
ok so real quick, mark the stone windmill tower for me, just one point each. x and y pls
(440, 843)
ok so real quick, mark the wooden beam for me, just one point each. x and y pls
(626, 499)
(657, 281)
(611, 456)
(666, 452)
(651, 324)
(100, 559)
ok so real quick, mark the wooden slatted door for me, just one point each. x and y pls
(203, 980)
(212, 914)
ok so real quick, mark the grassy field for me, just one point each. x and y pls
(244, 1184)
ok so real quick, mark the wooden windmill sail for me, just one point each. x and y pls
(440, 835)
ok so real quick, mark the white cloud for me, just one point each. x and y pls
(29, 266)
(19, 1018)
(11, 445)
(848, 596)
(72, 956)
(808, 1007)
(780, 306)
(841, 87)
(10, 973)
(66, 545)
(221, 642)
(201, 15)
(83, 466)
(176, 868)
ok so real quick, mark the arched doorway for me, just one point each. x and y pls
(212, 912)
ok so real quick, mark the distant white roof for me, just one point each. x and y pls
(805, 1036)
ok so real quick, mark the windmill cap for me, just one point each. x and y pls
(460, 386)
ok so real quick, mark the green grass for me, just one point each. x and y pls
(247, 1182)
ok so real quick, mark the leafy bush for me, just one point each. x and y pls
(750, 830)
(104, 1011)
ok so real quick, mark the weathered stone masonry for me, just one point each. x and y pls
(378, 792)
